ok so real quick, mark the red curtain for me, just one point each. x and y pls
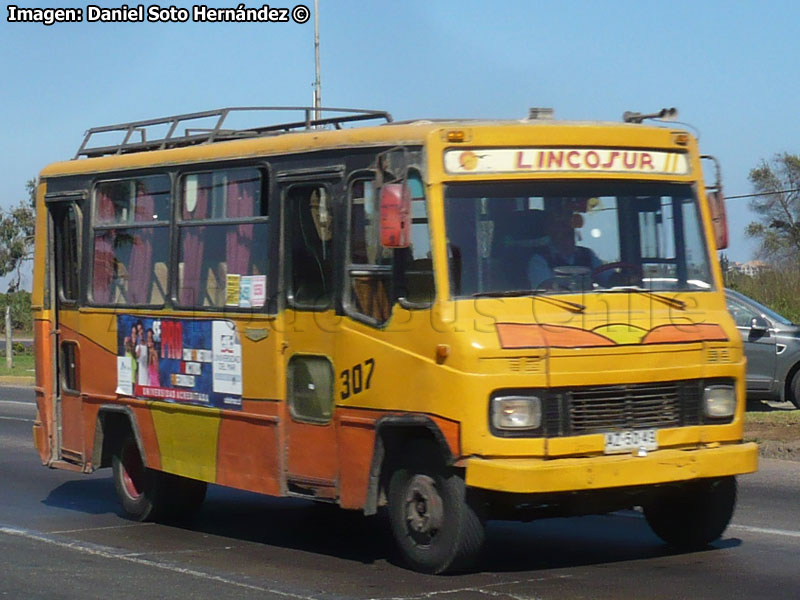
(103, 268)
(241, 199)
(192, 249)
(140, 270)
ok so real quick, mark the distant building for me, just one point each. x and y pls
(750, 268)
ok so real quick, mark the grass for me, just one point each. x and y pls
(773, 417)
(778, 289)
(23, 365)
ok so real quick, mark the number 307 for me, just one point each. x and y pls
(356, 379)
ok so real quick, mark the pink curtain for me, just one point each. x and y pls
(241, 198)
(140, 270)
(103, 269)
(192, 251)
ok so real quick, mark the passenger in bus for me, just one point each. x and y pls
(561, 222)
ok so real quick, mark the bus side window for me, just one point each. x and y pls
(415, 272)
(378, 276)
(311, 247)
(369, 267)
(223, 239)
(131, 241)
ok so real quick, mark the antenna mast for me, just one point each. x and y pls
(317, 84)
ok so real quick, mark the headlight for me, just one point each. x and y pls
(516, 412)
(719, 401)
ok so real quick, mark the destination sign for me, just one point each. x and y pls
(564, 160)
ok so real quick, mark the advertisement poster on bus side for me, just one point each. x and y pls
(180, 360)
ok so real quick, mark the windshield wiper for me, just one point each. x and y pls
(570, 306)
(673, 302)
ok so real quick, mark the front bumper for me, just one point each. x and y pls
(534, 475)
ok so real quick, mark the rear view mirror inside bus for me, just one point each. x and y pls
(395, 216)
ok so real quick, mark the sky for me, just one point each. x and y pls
(730, 67)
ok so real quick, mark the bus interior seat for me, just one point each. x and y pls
(158, 290)
(372, 298)
(214, 287)
(419, 281)
(119, 283)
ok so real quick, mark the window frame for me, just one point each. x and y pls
(63, 299)
(179, 224)
(290, 396)
(289, 218)
(129, 224)
(391, 272)
(367, 269)
(73, 367)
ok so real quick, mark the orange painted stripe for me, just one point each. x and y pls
(526, 335)
(676, 334)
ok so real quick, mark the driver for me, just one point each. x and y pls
(561, 222)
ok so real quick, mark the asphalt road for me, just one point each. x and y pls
(62, 535)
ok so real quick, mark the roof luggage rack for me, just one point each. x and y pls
(312, 117)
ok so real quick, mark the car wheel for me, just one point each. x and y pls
(794, 390)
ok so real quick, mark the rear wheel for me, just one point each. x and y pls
(694, 514)
(433, 524)
(149, 495)
(139, 488)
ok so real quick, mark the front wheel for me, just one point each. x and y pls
(694, 514)
(433, 524)
(794, 390)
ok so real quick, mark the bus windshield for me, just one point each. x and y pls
(574, 237)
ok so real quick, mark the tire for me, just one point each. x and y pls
(794, 390)
(694, 514)
(149, 495)
(140, 489)
(435, 528)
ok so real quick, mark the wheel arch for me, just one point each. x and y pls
(392, 432)
(113, 423)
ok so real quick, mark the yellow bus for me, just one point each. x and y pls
(456, 320)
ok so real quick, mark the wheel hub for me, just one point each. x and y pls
(424, 508)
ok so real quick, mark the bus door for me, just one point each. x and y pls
(64, 285)
(311, 463)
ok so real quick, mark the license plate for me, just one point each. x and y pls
(628, 441)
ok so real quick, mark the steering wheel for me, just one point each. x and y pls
(636, 270)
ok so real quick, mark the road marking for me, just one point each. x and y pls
(99, 528)
(32, 404)
(782, 532)
(108, 552)
(483, 589)
(17, 419)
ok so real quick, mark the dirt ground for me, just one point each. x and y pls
(776, 428)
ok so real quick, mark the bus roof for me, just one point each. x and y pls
(296, 136)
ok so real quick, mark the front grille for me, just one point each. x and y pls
(637, 406)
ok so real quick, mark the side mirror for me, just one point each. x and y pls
(716, 205)
(395, 216)
(759, 324)
(719, 218)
